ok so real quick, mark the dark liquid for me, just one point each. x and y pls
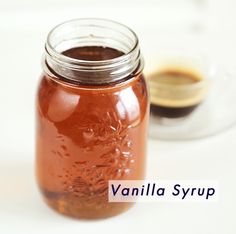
(171, 112)
(93, 53)
(173, 78)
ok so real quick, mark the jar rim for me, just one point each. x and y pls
(92, 32)
(52, 50)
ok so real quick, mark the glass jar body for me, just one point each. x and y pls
(86, 136)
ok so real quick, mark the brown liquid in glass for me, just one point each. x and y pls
(174, 78)
(87, 136)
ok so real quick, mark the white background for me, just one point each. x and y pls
(199, 26)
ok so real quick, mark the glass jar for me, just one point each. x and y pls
(92, 114)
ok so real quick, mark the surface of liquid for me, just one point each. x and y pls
(87, 136)
(93, 53)
(175, 78)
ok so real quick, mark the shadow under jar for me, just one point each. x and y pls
(92, 114)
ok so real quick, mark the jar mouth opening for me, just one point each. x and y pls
(92, 32)
(91, 22)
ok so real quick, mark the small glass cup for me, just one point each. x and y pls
(177, 87)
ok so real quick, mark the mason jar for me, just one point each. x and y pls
(91, 114)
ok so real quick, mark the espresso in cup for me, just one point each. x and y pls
(176, 91)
